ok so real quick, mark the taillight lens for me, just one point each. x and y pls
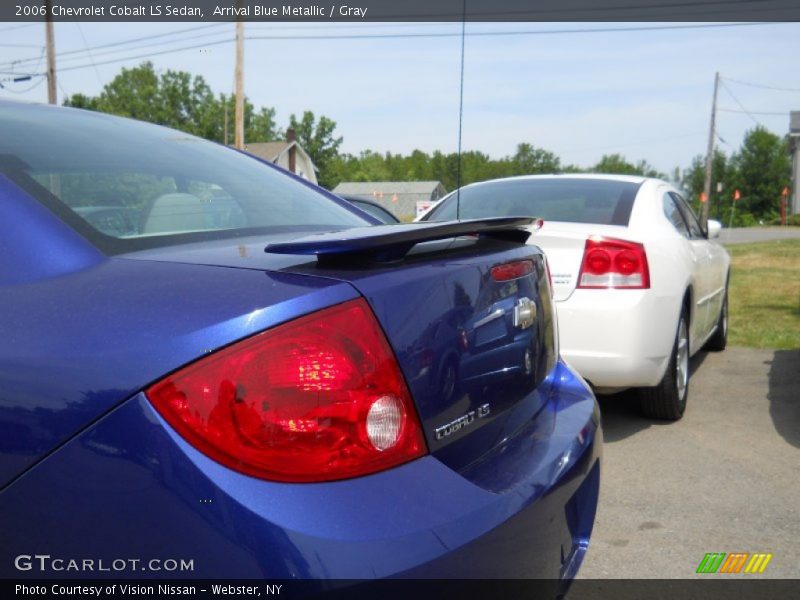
(317, 399)
(612, 263)
(512, 270)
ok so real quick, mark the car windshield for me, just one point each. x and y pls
(576, 200)
(127, 185)
(383, 215)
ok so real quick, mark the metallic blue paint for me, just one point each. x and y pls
(130, 487)
(423, 303)
(89, 470)
(34, 243)
(78, 344)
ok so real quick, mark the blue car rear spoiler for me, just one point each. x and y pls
(392, 242)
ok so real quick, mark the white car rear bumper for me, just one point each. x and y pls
(617, 338)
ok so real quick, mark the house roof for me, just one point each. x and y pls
(367, 188)
(272, 151)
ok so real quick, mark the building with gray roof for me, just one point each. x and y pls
(398, 197)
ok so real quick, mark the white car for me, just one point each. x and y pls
(639, 286)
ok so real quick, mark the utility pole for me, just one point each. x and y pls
(709, 157)
(225, 125)
(238, 136)
(52, 97)
(51, 56)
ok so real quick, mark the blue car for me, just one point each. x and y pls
(212, 369)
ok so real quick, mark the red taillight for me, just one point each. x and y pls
(316, 399)
(612, 263)
(512, 270)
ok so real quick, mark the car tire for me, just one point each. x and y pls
(667, 400)
(718, 341)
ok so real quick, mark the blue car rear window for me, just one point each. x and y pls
(126, 185)
(575, 200)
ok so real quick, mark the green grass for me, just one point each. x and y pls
(764, 295)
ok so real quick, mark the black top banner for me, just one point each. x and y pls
(401, 10)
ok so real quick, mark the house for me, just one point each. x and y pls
(402, 198)
(794, 148)
(289, 154)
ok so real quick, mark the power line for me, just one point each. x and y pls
(631, 144)
(744, 110)
(91, 58)
(18, 77)
(64, 93)
(510, 33)
(720, 138)
(62, 55)
(148, 55)
(765, 87)
(37, 83)
(755, 112)
(346, 25)
(411, 35)
(18, 27)
(216, 37)
(174, 32)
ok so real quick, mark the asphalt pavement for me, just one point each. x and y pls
(743, 235)
(725, 478)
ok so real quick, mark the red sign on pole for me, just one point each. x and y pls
(736, 195)
(784, 195)
(703, 197)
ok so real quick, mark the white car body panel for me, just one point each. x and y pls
(621, 338)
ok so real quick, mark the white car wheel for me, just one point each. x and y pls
(668, 399)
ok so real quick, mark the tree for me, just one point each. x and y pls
(420, 166)
(762, 168)
(176, 99)
(82, 101)
(529, 160)
(694, 177)
(259, 126)
(318, 140)
(617, 164)
(371, 167)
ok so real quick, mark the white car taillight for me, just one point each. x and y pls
(613, 263)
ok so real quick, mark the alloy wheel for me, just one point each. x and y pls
(682, 359)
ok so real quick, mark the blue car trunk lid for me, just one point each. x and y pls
(474, 364)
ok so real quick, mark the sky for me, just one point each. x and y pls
(579, 93)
